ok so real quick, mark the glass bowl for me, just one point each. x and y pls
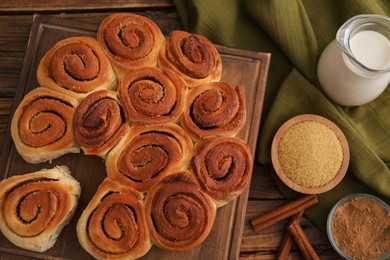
(331, 215)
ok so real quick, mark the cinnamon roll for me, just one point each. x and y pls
(178, 214)
(77, 66)
(99, 123)
(130, 41)
(35, 207)
(41, 126)
(113, 224)
(148, 153)
(193, 56)
(223, 167)
(214, 109)
(151, 96)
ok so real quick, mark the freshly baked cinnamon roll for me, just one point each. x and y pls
(223, 167)
(214, 109)
(151, 96)
(130, 41)
(147, 153)
(35, 207)
(41, 126)
(99, 123)
(78, 66)
(193, 56)
(179, 214)
(113, 224)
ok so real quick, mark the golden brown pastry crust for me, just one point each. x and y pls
(77, 66)
(152, 96)
(223, 166)
(99, 123)
(148, 153)
(130, 41)
(113, 224)
(179, 214)
(35, 207)
(193, 56)
(152, 154)
(42, 125)
(214, 109)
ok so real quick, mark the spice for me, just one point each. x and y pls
(361, 228)
(293, 209)
(302, 241)
(287, 210)
(310, 154)
(287, 241)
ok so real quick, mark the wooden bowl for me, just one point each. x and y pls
(279, 168)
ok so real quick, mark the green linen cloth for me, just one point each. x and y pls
(295, 32)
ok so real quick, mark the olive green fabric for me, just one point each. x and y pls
(295, 32)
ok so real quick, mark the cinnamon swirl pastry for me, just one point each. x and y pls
(178, 214)
(99, 123)
(130, 41)
(223, 167)
(113, 224)
(151, 95)
(193, 56)
(214, 109)
(42, 128)
(35, 207)
(148, 153)
(76, 65)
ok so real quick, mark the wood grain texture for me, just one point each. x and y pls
(74, 5)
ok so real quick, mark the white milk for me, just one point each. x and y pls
(344, 82)
(371, 49)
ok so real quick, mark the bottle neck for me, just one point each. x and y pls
(365, 42)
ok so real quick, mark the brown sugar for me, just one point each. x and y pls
(310, 154)
(361, 228)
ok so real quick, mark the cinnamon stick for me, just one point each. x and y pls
(287, 210)
(301, 240)
(286, 244)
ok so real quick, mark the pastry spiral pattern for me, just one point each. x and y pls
(148, 153)
(193, 56)
(113, 224)
(34, 207)
(178, 214)
(139, 101)
(41, 127)
(151, 96)
(214, 109)
(76, 65)
(99, 123)
(130, 41)
(223, 167)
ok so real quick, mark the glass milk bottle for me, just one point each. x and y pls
(354, 69)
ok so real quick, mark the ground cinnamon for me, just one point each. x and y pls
(287, 210)
(361, 228)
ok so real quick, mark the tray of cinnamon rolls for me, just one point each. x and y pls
(126, 142)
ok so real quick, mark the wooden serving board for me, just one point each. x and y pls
(240, 67)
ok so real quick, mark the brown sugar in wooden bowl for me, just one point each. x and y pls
(310, 154)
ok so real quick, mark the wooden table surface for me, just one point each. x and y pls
(15, 22)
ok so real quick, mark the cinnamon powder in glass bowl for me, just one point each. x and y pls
(358, 227)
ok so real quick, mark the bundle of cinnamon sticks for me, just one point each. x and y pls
(293, 210)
